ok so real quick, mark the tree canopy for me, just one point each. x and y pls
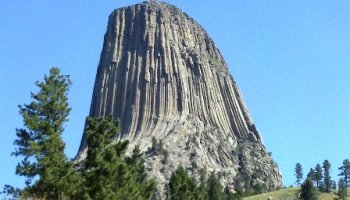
(298, 173)
(40, 143)
(108, 173)
(308, 191)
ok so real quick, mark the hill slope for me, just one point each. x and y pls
(287, 194)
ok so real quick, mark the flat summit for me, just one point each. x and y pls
(161, 75)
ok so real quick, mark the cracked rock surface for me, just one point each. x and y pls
(161, 75)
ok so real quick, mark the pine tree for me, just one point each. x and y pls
(231, 196)
(298, 173)
(215, 189)
(342, 189)
(318, 174)
(311, 174)
(308, 191)
(203, 181)
(40, 142)
(345, 171)
(108, 174)
(327, 178)
(182, 187)
(334, 185)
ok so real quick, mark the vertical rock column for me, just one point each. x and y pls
(161, 75)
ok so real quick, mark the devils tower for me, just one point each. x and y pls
(161, 75)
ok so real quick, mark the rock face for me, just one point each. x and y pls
(161, 75)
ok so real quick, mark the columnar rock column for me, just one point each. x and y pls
(161, 75)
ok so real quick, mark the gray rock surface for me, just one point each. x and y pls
(161, 75)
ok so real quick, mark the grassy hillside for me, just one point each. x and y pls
(287, 194)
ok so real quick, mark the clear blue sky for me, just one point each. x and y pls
(291, 59)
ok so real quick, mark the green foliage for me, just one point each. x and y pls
(298, 173)
(107, 174)
(311, 174)
(318, 175)
(203, 173)
(215, 189)
(194, 165)
(158, 149)
(157, 146)
(165, 156)
(345, 171)
(326, 177)
(308, 191)
(231, 196)
(40, 143)
(182, 187)
(334, 185)
(9, 190)
(342, 189)
(243, 178)
(260, 188)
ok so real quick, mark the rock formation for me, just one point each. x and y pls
(161, 75)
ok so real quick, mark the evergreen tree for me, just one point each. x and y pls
(311, 174)
(182, 187)
(327, 178)
(11, 191)
(308, 191)
(334, 185)
(215, 189)
(342, 189)
(107, 174)
(318, 174)
(231, 196)
(40, 142)
(203, 181)
(298, 173)
(345, 171)
(136, 164)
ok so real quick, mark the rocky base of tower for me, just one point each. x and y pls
(243, 164)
